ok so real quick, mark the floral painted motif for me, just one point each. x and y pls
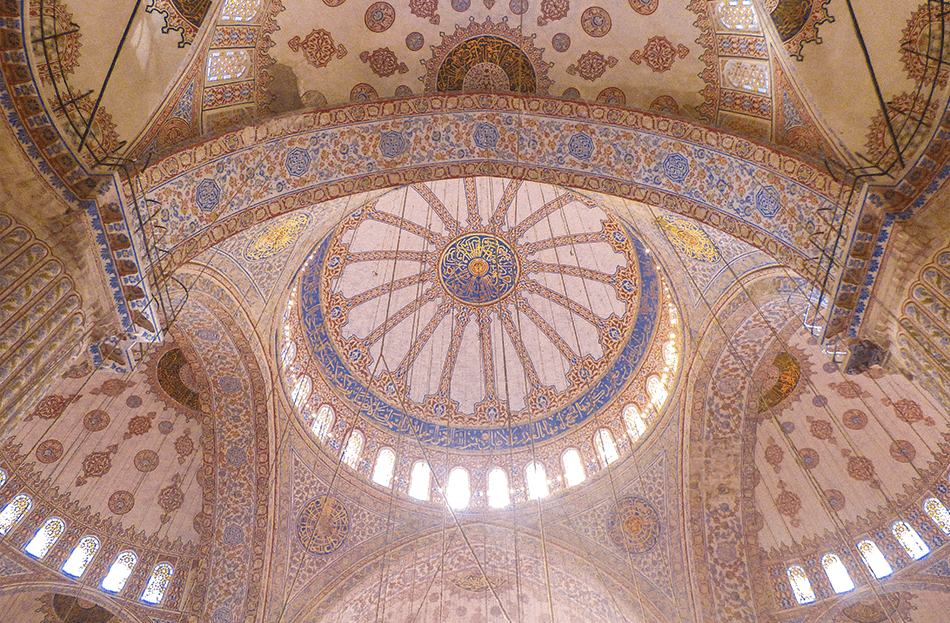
(383, 62)
(96, 465)
(659, 54)
(591, 65)
(318, 48)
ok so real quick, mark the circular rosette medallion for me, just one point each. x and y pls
(478, 269)
(634, 525)
(322, 525)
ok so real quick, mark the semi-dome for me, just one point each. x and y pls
(485, 319)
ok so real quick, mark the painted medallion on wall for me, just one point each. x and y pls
(634, 525)
(487, 57)
(322, 525)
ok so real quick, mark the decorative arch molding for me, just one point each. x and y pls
(756, 193)
(32, 584)
(334, 595)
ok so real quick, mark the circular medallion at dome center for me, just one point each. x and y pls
(478, 269)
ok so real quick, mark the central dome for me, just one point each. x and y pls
(481, 313)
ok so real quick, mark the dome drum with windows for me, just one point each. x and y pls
(489, 320)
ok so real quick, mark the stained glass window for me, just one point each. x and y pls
(81, 556)
(573, 467)
(800, 584)
(287, 353)
(321, 423)
(301, 390)
(383, 471)
(119, 572)
(747, 76)
(239, 10)
(939, 513)
(14, 512)
(419, 481)
(158, 583)
(606, 448)
(457, 491)
(45, 537)
(634, 421)
(910, 540)
(3, 478)
(354, 447)
(737, 15)
(227, 65)
(498, 494)
(874, 559)
(670, 354)
(837, 573)
(657, 391)
(536, 480)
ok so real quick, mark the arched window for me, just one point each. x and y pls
(498, 494)
(322, 422)
(670, 354)
(837, 573)
(119, 572)
(3, 478)
(737, 15)
(419, 481)
(800, 584)
(457, 491)
(46, 537)
(227, 65)
(606, 448)
(240, 10)
(13, 512)
(874, 559)
(301, 390)
(287, 353)
(536, 480)
(81, 556)
(573, 467)
(910, 540)
(383, 471)
(634, 421)
(747, 76)
(939, 513)
(158, 583)
(657, 391)
(354, 447)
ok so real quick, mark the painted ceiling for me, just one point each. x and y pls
(481, 235)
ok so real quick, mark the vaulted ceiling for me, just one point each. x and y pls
(637, 248)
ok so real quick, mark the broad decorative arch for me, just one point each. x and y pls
(759, 195)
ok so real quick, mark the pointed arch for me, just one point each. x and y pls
(354, 448)
(119, 572)
(419, 480)
(383, 470)
(46, 537)
(876, 562)
(158, 583)
(910, 540)
(13, 512)
(536, 480)
(458, 491)
(498, 494)
(837, 573)
(606, 448)
(81, 556)
(801, 585)
(573, 467)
